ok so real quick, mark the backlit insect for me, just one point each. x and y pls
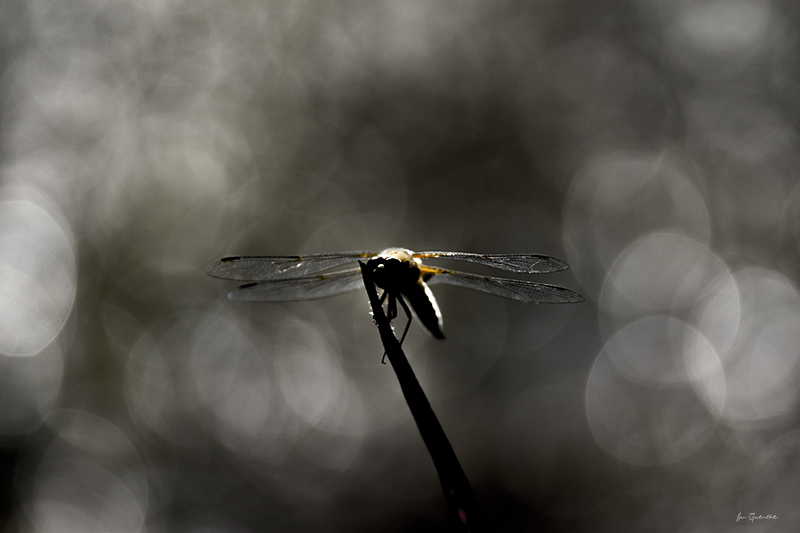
(397, 271)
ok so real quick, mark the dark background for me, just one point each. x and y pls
(651, 144)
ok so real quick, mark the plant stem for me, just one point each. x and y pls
(457, 490)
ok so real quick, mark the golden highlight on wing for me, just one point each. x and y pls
(262, 268)
(522, 263)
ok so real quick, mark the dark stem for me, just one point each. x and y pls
(457, 490)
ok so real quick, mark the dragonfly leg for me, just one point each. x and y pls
(408, 314)
(391, 312)
(403, 304)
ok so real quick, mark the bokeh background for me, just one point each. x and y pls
(652, 144)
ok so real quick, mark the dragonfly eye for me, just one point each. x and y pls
(392, 274)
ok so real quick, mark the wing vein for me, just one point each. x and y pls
(302, 288)
(515, 289)
(256, 268)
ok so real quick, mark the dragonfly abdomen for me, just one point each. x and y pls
(424, 304)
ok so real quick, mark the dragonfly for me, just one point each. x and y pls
(398, 272)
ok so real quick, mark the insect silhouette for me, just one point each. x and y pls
(399, 272)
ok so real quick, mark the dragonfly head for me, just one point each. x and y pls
(392, 274)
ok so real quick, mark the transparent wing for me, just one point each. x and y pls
(515, 289)
(279, 267)
(303, 288)
(523, 263)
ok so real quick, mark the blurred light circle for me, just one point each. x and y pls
(183, 156)
(652, 350)
(718, 311)
(37, 277)
(617, 197)
(705, 371)
(335, 452)
(90, 478)
(642, 400)
(321, 396)
(232, 380)
(313, 383)
(660, 272)
(762, 364)
(715, 37)
(160, 388)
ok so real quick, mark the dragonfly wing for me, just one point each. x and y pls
(523, 263)
(256, 268)
(302, 288)
(515, 289)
